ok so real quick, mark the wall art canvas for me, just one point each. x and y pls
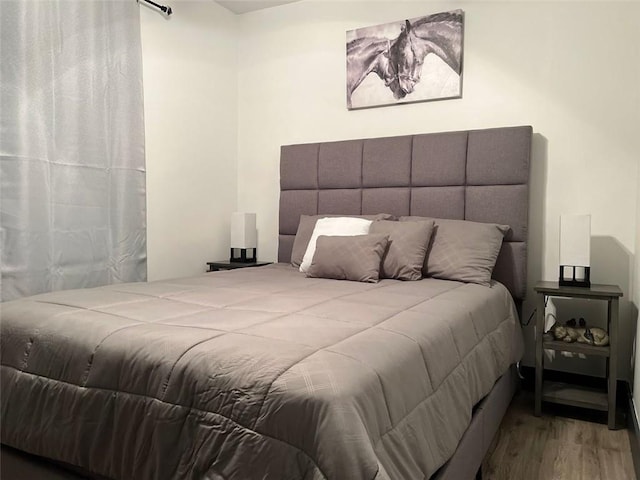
(411, 60)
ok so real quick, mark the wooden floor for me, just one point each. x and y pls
(555, 447)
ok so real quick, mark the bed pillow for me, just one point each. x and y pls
(462, 250)
(333, 226)
(356, 258)
(305, 230)
(408, 242)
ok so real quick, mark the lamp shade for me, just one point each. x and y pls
(575, 250)
(243, 230)
(575, 240)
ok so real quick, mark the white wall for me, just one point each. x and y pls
(571, 70)
(190, 95)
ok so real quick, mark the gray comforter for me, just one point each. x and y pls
(253, 373)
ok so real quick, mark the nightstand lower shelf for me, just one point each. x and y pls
(575, 396)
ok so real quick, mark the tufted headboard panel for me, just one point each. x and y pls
(478, 175)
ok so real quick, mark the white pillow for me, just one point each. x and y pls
(333, 226)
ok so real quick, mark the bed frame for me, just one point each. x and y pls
(479, 175)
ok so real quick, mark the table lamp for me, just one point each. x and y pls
(243, 237)
(575, 250)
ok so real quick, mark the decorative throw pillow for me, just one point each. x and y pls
(462, 250)
(333, 226)
(305, 230)
(408, 242)
(356, 258)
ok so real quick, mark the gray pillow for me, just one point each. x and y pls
(356, 258)
(408, 242)
(305, 230)
(462, 250)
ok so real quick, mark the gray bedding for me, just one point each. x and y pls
(253, 373)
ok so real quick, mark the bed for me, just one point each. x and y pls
(267, 373)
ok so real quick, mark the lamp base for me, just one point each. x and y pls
(570, 280)
(243, 258)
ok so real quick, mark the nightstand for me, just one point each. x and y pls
(227, 265)
(571, 394)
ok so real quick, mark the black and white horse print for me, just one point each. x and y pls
(399, 60)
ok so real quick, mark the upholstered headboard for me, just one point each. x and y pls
(478, 175)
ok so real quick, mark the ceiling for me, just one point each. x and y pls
(244, 6)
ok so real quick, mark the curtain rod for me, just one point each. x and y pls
(165, 9)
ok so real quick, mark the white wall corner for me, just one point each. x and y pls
(191, 110)
(635, 315)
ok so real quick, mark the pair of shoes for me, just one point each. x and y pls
(572, 323)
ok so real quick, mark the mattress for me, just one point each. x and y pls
(253, 373)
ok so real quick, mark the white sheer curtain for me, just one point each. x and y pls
(72, 171)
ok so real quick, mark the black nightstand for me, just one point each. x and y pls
(227, 265)
(573, 395)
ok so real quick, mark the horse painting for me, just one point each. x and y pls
(367, 55)
(398, 60)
